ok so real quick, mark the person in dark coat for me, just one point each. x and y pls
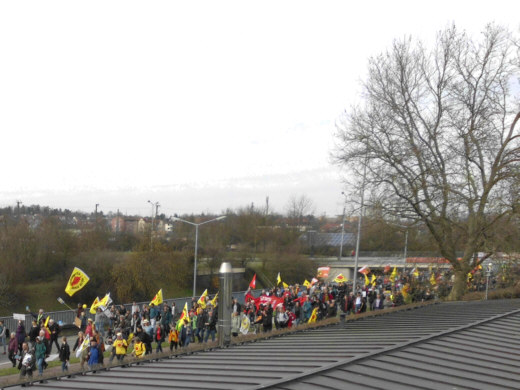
(267, 322)
(54, 328)
(211, 325)
(20, 336)
(145, 338)
(64, 354)
(33, 333)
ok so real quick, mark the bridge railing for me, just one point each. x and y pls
(66, 317)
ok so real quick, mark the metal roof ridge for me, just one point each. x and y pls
(383, 351)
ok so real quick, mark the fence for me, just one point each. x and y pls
(66, 317)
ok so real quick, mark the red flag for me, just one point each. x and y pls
(264, 300)
(387, 269)
(253, 282)
(323, 272)
(364, 270)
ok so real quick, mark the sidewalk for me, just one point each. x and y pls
(72, 336)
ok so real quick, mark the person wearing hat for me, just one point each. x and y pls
(89, 329)
(119, 346)
(139, 348)
(148, 328)
(93, 354)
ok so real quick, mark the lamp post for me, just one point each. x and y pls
(156, 206)
(342, 227)
(488, 274)
(196, 244)
(362, 196)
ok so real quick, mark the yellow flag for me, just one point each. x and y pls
(214, 300)
(77, 281)
(416, 273)
(285, 285)
(202, 299)
(307, 283)
(433, 282)
(393, 275)
(105, 301)
(278, 279)
(94, 306)
(314, 315)
(340, 278)
(367, 282)
(158, 299)
(184, 315)
(373, 280)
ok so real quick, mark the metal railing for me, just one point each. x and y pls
(66, 317)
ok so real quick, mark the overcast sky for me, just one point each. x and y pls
(197, 105)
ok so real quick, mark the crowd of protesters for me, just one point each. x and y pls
(121, 331)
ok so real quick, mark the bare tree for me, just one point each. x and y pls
(437, 136)
(298, 208)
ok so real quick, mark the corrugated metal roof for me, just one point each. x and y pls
(451, 345)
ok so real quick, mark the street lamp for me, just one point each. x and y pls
(342, 227)
(362, 196)
(196, 244)
(156, 206)
(488, 274)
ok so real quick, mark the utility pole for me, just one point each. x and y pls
(18, 203)
(358, 238)
(342, 227)
(155, 205)
(95, 217)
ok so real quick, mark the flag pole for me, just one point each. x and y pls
(63, 303)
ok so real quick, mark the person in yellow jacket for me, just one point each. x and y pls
(173, 337)
(119, 346)
(139, 348)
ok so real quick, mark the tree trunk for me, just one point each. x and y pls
(459, 285)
